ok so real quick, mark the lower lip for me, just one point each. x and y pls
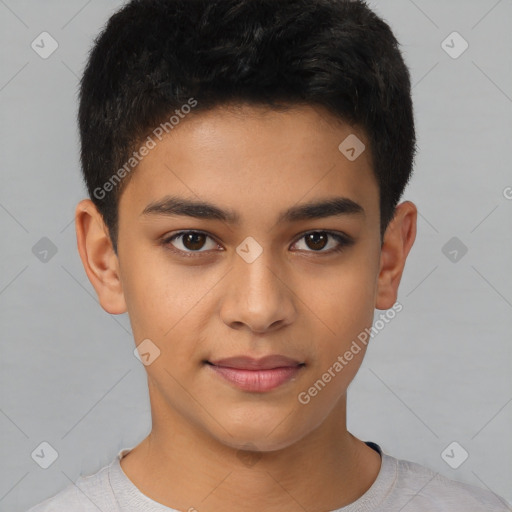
(257, 380)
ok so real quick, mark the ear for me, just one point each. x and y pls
(98, 257)
(398, 240)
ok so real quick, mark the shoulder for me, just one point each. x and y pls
(67, 499)
(88, 494)
(425, 490)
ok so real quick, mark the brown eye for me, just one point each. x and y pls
(189, 242)
(317, 241)
(193, 241)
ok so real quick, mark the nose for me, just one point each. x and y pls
(258, 296)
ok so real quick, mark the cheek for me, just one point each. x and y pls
(166, 303)
(343, 298)
(344, 302)
(148, 293)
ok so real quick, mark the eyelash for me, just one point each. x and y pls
(343, 242)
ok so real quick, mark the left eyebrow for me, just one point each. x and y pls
(332, 207)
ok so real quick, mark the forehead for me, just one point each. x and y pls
(252, 159)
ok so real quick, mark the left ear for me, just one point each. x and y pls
(398, 240)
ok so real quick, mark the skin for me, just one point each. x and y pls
(295, 299)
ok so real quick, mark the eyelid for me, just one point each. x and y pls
(347, 238)
(342, 238)
(167, 239)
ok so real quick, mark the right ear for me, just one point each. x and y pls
(98, 257)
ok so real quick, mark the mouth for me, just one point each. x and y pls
(256, 375)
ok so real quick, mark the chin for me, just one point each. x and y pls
(264, 434)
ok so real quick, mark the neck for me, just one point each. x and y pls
(183, 468)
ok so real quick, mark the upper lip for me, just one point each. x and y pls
(250, 363)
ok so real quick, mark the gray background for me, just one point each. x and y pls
(438, 373)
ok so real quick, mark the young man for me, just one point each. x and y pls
(245, 159)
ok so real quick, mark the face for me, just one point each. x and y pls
(249, 256)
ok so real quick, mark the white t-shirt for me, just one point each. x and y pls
(400, 486)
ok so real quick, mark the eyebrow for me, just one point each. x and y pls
(331, 207)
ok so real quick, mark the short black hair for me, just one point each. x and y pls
(158, 58)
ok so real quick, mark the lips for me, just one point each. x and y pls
(249, 363)
(256, 375)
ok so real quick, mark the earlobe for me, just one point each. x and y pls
(98, 257)
(398, 241)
